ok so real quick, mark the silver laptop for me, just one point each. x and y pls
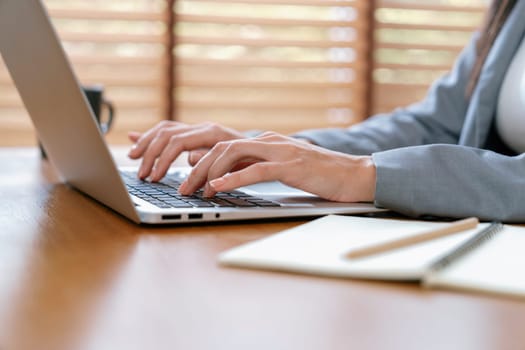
(64, 122)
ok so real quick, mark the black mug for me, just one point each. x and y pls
(95, 97)
(103, 109)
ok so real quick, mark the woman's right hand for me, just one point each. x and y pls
(162, 144)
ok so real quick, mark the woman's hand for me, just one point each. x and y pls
(328, 174)
(162, 144)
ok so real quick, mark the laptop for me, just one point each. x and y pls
(69, 133)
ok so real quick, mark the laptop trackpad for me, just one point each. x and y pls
(283, 194)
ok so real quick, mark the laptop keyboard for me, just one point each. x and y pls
(165, 194)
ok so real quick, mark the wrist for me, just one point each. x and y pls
(367, 177)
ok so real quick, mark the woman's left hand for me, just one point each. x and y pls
(332, 175)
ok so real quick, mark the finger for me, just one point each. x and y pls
(245, 163)
(240, 152)
(198, 174)
(188, 141)
(145, 139)
(187, 189)
(259, 172)
(222, 158)
(134, 136)
(156, 147)
(196, 155)
(150, 155)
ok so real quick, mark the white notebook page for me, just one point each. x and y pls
(497, 265)
(318, 247)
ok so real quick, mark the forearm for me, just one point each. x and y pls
(451, 181)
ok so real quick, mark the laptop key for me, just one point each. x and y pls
(165, 194)
(240, 202)
(200, 204)
(163, 206)
(182, 205)
(221, 203)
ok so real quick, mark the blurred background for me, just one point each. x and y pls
(280, 65)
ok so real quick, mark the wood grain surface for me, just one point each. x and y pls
(76, 275)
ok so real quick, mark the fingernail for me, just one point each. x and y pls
(183, 186)
(154, 174)
(209, 190)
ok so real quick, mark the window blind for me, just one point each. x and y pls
(415, 43)
(119, 44)
(272, 64)
(252, 64)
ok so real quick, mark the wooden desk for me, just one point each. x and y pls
(75, 275)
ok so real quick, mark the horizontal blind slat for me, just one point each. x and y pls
(320, 3)
(65, 13)
(393, 4)
(264, 84)
(268, 43)
(427, 26)
(111, 38)
(117, 60)
(266, 106)
(417, 46)
(182, 61)
(285, 22)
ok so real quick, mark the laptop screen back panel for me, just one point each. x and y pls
(52, 96)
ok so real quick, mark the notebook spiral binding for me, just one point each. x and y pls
(469, 245)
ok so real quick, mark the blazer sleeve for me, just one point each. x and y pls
(421, 170)
(451, 181)
(437, 119)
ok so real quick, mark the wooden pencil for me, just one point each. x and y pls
(454, 227)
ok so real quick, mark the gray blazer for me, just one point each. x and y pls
(442, 156)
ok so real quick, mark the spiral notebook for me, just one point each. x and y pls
(491, 262)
